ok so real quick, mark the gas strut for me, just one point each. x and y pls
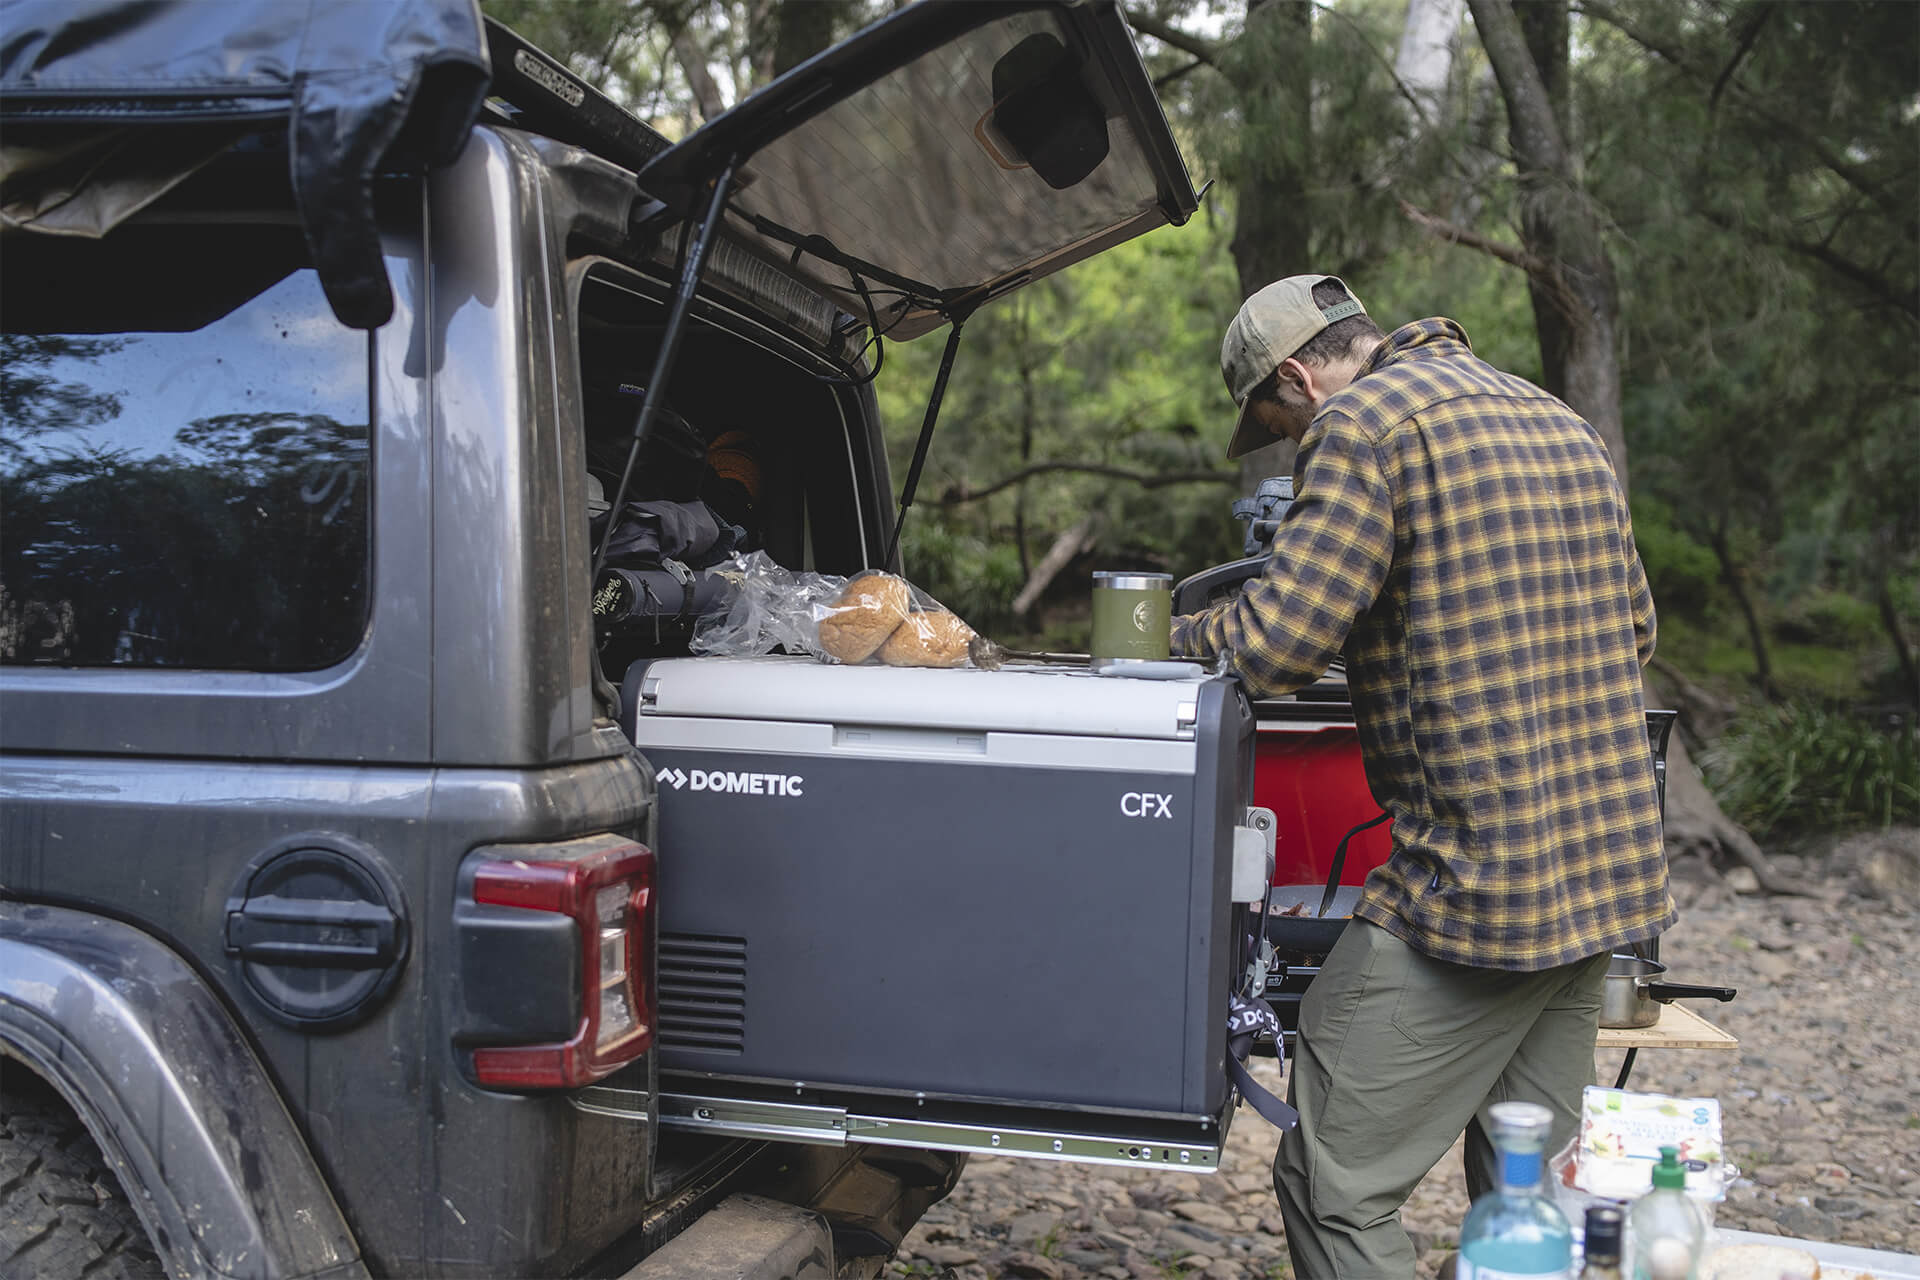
(663, 361)
(958, 314)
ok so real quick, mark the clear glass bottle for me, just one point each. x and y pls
(1517, 1231)
(1604, 1228)
(1664, 1230)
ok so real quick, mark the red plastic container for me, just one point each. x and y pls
(1313, 781)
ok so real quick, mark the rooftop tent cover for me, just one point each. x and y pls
(107, 104)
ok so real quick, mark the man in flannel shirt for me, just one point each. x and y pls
(1459, 535)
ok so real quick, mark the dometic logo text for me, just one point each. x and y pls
(743, 784)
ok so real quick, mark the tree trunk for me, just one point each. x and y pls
(1737, 584)
(693, 65)
(1902, 651)
(1544, 26)
(1272, 222)
(1424, 60)
(1703, 714)
(1065, 547)
(1696, 825)
(1576, 302)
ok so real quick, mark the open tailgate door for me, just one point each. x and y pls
(943, 156)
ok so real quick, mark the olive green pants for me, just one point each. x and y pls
(1399, 1053)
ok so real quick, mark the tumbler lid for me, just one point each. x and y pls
(1130, 581)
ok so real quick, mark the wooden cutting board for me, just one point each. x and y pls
(1679, 1028)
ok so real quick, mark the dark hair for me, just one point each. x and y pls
(1342, 336)
(1268, 388)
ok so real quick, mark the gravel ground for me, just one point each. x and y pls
(1820, 1104)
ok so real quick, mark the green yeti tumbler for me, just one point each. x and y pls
(1132, 617)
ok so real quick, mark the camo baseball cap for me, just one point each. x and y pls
(1272, 325)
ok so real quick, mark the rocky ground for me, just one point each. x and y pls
(1820, 1103)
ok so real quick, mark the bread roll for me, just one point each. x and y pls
(931, 639)
(863, 616)
(1758, 1262)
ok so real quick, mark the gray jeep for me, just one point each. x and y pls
(328, 888)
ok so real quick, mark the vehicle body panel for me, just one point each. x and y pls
(210, 771)
(386, 1102)
(172, 1092)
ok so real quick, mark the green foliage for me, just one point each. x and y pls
(1831, 673)
(1426, 277)
(1714, 652)
(1805, 769)
(1681, 572)
(1759, 164)
(1112, 364)
(1829, 618)
(963, 571)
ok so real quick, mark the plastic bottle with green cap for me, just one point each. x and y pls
(1665, 1235)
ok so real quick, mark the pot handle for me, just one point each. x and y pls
(1666, 991)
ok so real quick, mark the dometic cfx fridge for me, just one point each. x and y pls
(985, 910)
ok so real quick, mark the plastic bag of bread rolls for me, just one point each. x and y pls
(879, 618)
(866, 613)
(771, 609)
(928, 638)
(872, 618)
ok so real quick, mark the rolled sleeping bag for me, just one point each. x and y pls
(627, 599)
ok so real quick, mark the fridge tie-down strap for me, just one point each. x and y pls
(1247, 1017)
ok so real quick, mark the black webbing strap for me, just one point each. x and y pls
(1249, 1015)
(1340, 860)
(1247, 1018)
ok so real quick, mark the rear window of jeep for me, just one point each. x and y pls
(184, 453)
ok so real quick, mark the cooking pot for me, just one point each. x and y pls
(1634, 992)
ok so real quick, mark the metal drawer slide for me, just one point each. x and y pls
(1197, 1150)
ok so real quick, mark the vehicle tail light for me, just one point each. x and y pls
(605, 885)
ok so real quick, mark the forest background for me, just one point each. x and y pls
(1697, 221)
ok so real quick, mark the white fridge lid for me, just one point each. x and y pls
(1014, 699)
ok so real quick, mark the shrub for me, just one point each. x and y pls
(1681, 572)
(1799, 768)
(1829, 618)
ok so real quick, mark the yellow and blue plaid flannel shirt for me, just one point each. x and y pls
(1460, 534)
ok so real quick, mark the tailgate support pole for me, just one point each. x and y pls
(669, 354)
(938, 394)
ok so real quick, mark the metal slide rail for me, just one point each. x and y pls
(832, 1125)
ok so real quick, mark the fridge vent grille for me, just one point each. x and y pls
(703, 993)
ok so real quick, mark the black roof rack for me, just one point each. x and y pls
(537, 93)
